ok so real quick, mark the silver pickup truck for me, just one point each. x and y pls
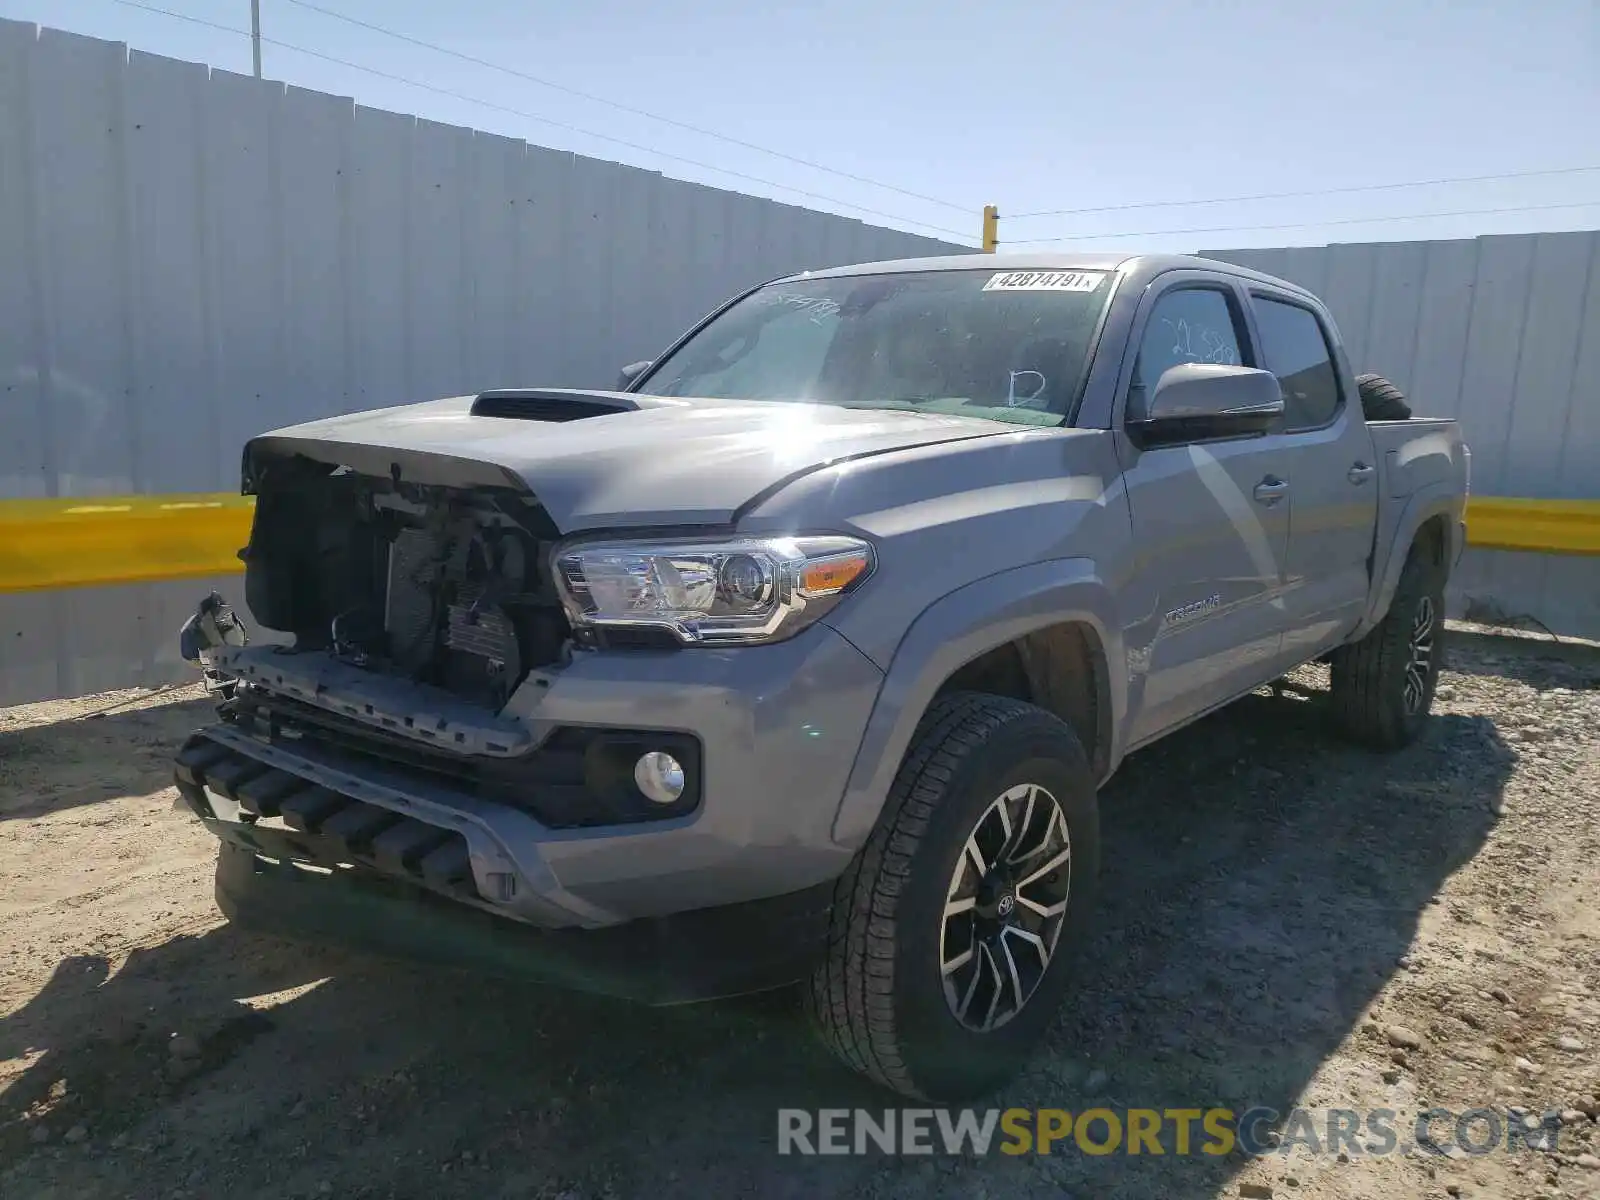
(801, 656)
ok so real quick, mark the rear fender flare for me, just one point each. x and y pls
(1440, 499)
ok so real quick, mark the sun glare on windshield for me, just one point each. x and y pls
(1006, 345)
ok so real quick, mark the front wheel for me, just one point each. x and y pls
(953, 927)
(1383, 685)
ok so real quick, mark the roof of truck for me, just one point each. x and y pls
(1148, 265)
(993, 262)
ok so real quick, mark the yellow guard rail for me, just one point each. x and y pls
(93, 541)
(1547, 526)
(88, 541)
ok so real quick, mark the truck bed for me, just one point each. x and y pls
(1417, 454)
(1423, 470)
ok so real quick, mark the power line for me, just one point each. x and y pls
(517, 112)
(620, 107)
(1464, 212)
(1338, 191)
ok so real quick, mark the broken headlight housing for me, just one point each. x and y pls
(737, 591)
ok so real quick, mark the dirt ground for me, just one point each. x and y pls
(1278, 910)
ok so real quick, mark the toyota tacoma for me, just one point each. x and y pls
(801, 655)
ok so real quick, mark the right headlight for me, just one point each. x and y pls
(737, 591)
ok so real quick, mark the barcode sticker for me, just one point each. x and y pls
(1044, 281)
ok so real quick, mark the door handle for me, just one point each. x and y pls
(1270, 490)
(1360, 473)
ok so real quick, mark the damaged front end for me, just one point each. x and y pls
(446, 587)
(214, 628)
(368, 785)
(425, 726)
(370, 733)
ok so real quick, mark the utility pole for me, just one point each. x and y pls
(991, 228)
(255, 35)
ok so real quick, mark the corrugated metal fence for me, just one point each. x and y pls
(1504, 334)
(189, 257)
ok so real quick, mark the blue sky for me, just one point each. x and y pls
(1023, 104)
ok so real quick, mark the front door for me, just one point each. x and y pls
(1210, 528)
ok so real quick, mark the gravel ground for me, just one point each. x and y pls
(1279, 912)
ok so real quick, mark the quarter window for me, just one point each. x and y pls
(1295, 349)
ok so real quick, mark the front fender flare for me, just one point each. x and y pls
(955, 630)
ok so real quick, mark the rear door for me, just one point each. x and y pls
(1331, 471)
(1210, 522)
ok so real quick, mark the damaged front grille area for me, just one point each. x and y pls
(578, 777)
(322, 826)
(441, 586)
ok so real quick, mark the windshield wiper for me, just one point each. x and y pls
(897, 400)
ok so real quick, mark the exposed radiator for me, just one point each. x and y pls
(416, 577)
(408, 615)
(490, 635)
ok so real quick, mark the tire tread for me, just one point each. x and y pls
(850, 997)
(1381, 400)
(1365, 701)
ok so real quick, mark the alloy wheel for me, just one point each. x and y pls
(1005, 907)
(1419, 661)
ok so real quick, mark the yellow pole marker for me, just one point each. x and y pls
(991, 228)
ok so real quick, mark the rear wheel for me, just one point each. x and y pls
(1383, 685)
(952, 929)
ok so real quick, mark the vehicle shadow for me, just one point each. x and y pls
(80, 760)
(1262, 880)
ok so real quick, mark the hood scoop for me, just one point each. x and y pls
(548, 404)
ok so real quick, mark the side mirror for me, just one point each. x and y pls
(1194, 402)
(629, 373)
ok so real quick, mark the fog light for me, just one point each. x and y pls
(659, 776)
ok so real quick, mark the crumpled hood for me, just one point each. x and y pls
(669, 462)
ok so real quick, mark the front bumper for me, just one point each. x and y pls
(703, 955)
(780, 726)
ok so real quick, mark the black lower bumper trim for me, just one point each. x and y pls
(307, 810)
(264, 795)
(324, 826)
(679, 959)
(402, 847)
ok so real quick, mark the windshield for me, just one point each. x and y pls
(1008, 345)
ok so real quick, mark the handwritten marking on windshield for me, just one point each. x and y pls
(1028, 379)
(816, 306)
